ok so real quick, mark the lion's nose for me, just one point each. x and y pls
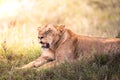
(41, 37)
(41, 42)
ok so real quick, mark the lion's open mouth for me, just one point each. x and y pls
(45, 45)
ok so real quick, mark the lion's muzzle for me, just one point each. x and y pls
(44, 45)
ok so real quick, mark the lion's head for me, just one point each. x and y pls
(49, 35)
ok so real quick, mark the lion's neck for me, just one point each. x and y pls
(63, 37)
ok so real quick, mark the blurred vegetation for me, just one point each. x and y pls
(18, 25)
(118, 36)
(19, 20)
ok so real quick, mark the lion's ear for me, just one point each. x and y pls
(61, 27)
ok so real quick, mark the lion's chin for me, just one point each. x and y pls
(45, 45)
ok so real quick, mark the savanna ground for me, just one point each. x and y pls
(19, 20)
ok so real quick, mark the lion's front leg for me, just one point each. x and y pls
(49, 65)
(38, 62)
(29, 65)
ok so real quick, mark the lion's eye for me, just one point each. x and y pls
(48, 31)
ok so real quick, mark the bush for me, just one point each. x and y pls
(118, 36)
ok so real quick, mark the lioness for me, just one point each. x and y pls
(62, 45)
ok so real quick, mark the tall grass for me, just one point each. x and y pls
(19, 23)
(98, 67)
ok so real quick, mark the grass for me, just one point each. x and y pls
(99, 67)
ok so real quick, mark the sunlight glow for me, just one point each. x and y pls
(11, 8)
(13, 20)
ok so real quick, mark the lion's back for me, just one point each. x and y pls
(86, 45)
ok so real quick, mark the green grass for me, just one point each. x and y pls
(99, 67)
(16, 56)
(118, 36)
